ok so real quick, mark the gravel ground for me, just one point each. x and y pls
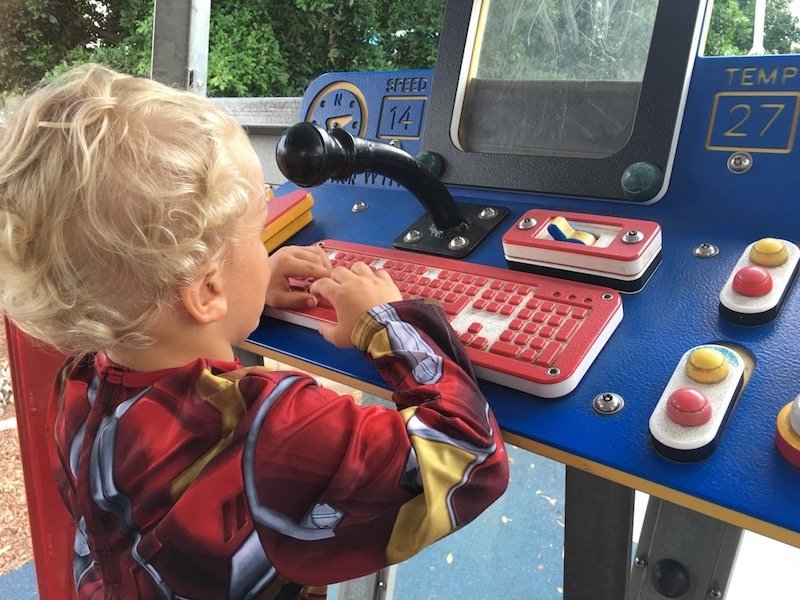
(15, 535)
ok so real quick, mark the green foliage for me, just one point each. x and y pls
(32, 32)
(730, 32)
(39, 38)
(318, 36)
(244, 53)
(276, 47)
(256, 48)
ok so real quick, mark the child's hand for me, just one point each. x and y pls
(299, 262)
(352, 293)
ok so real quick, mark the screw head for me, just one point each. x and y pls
(740, 162)
(527, 223)
(359, 207)
(608, 403)
(705, 250)
(412, 236)
(458, 242)
(632, 237)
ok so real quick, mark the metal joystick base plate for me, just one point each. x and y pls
(456, 242)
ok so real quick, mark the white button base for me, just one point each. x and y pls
(687, 444)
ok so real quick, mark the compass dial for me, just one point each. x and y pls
(340, 104)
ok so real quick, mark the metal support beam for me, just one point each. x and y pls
(597, 537)
(683, 554)
(378, 586)
(180, 43)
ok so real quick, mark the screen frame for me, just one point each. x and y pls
(673, 49)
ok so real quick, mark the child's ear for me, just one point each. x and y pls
(204, 300)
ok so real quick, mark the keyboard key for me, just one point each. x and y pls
(522, 339)
(479, 342)
(530, 328)
(548, 354)
(475, 327)
(562, 335)
(504, 349)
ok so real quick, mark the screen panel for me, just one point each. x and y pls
(562, 98)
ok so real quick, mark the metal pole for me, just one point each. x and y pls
(180, 43)
(758, 28)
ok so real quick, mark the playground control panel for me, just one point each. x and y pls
(695, 235)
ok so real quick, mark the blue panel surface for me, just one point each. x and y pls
(677, 310)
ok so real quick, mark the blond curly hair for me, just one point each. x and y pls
(114, 191)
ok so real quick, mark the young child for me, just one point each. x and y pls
(130, 218)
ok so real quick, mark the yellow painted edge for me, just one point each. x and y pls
(705, 507)
(276, 238)
(292, 214)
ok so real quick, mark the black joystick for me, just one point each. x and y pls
(308, 156)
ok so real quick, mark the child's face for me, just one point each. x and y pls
(248, 270)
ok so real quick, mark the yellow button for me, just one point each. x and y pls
(707, 365)
(769, 252)
(561, 229)
(786, 438)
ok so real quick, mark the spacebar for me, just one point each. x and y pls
(322, 312)
(309, 317)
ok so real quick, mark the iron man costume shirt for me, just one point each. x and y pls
(215, 481)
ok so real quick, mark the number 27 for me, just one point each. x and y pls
(747, 111)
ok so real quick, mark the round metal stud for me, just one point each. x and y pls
(527, 223)
(359, 207)
(705, 250)
(458, 242)
(641, 180)
(632, 237)
(487, 213)
(431, 161)
(608, 403)
(395, 143)
(740, 162)
(412, 236)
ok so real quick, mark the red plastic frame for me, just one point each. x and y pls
(33, 370)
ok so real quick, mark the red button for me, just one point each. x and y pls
(688, 407)
(752, 281)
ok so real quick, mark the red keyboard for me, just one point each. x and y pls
(530, 332)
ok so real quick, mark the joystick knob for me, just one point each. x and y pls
(308, 155)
